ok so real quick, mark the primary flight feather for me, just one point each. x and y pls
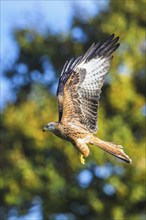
(78, 94)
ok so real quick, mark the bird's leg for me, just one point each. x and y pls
(81, 146)
(82, 159)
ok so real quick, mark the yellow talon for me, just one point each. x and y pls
(82, 159)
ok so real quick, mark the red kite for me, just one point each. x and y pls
(78, 94)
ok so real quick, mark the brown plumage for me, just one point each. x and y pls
(78, 94)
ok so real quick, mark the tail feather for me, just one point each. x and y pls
(114, 149)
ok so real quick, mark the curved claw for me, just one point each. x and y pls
(82, 159)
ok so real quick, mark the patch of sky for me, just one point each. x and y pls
(105, 171)
(49, 74)
(143, 110)
(123, 69)
(22, 68)
(33, 213)
(47, 78)
(19, 80)
(62, 216)
(56, 15)
(54, 87)
(91, 8)
(6, 94)
(19, 15)
(36, 76)
(84, 178)
(109, 189)
(103, 5)
(118, 170)
(79, 35)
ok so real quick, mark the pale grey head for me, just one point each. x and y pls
(50, 127)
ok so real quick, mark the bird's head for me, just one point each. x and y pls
(50, 127)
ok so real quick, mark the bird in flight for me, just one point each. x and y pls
(78, 94)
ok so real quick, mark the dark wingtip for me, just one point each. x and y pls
(111, 37)
(126, 159)
(130, 161)
(104, 49)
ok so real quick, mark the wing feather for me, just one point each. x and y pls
(65, 74)
(81, 82)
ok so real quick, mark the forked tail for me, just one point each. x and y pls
(114, 149)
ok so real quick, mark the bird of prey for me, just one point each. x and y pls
(78, 94)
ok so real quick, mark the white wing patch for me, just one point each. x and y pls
(96, 69)
(90, 88)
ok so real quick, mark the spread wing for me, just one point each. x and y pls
(65, 74)
(81, 82)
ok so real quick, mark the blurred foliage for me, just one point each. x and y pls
(37, 165)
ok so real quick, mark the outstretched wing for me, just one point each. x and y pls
(82, 84)
(65, 74)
